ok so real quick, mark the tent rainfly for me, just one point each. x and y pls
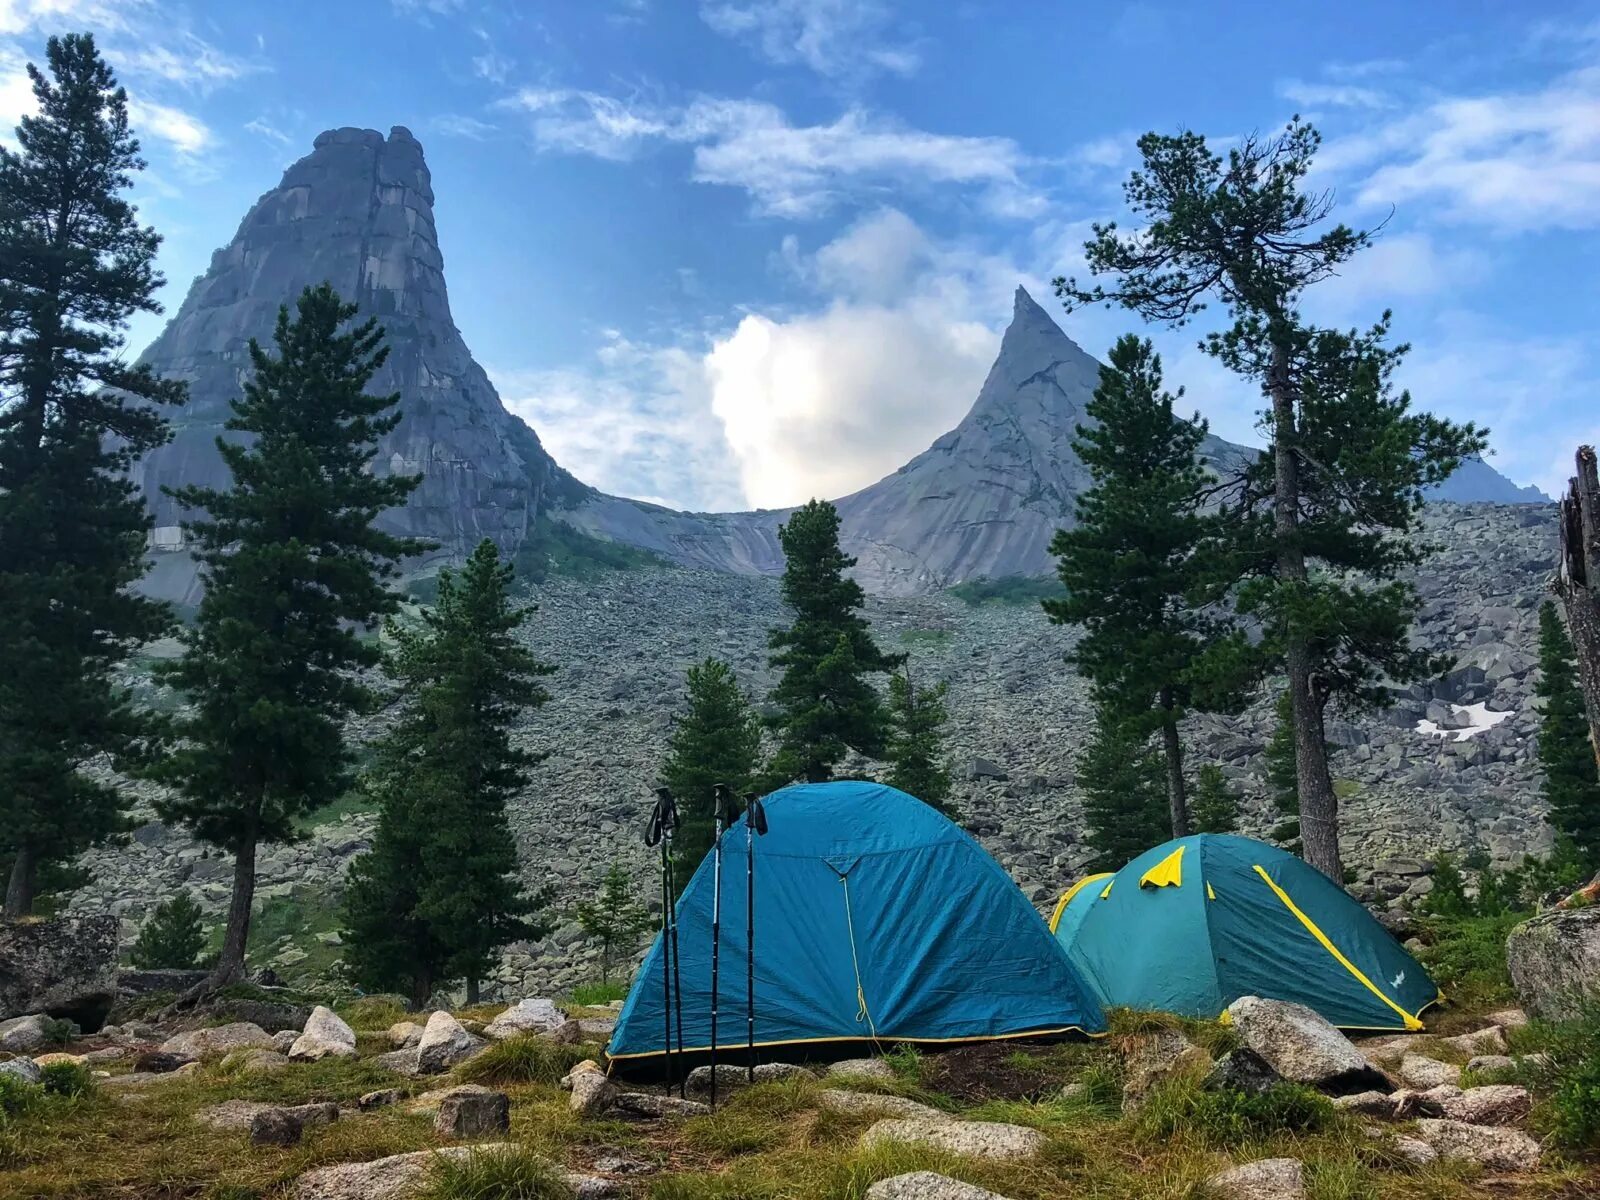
(1196, 923)
(877, 920)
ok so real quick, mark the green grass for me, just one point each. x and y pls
(554, 548)
(1346, 788)
(300, 919)
(511, 1173)
(596, 995)
(352, 803)
(1226, 1119)
(526, 1058)
(1010, 589)
(1466, 956)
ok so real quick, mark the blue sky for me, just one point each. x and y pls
(691, 240)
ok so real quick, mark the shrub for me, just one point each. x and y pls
(68, 1079)
(172, 937)
(593, 995)
(1467, 957)
(511, 1173)
(58, 1031)
(18, 1097)
(1227, 1118)
(375, 1012)
(1571, 1109)
(526, 1058)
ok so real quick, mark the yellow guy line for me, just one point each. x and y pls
(1411, 1021)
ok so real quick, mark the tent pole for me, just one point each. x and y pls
(722, 801)
(659, 833)
(755, 822)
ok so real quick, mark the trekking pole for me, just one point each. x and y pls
(663, 818)
(677, 981)
(723, 799)
(755, 822)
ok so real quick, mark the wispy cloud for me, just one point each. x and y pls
(789, 170)
(1333, 95)
(835, 38)
(183, 131)
(458, 126)
(187, 60)
(262, 128)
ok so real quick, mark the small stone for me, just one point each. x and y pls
(592, 1094)
(106, 1055)
(381, 1098)
(23, 1034)
(1265, 1179)
(975, 1139)
(1484, 1063)
(443, 1044)
(1242, 1070)
(535, 1015)
(1488, 1146)
(1419, 1072)
(654, 1105)
(860, 1068)
(1415, 1150)
(1371, 1104)
(159, 1062)
(871, 1104)
(927, 1185)
(585, 1067)
(1495, 1104)
(275, 1127)
(1485, 1041)
(469, 1111)
(325, 1035)
(404, 1035)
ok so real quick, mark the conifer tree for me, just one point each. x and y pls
(293, 567)
(443, 869)
(1216, 805)
(1137, 564)
(916, 741)
(1283, 777)
(717, 741)
(1571, 787)
(1338, 492)
(75, 264)
(826, 703)
(613, 918)
(1125, 795)
(172, 937)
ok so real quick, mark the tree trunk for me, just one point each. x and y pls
(421, 990)
(20, 887)
(1177, 793)
(1578, 581)
(472, 991)
(230, 966)
(1319, 808)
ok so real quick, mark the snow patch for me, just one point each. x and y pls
(1479, 716)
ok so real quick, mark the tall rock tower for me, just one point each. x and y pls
(356, 212)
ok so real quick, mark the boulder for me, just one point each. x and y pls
(532, 1015)
(1155, 1057)
(256, 1062)
(1265, 1179)
(382, 1098)
(1490, 1040)
(401, 1175)
(1430, 1103)
(404, 1035)
(443, 1044)
(24, 1069)
(592, 1094)
(325, 1035)
(22, 1035)
(1302, 1046)
(284, 1039)
(731, 1077)
(973, 1139)
(1491, 1147)
(402, 1062)
(1494, 1104)
(1242, 1070)
(217, 1041)
(860, 1068)
(1480, 1064)
(869, 1104)
(275, 1127)
(1419, 1072)
(1415, 1150)
(655, 1106)
(1370, 1104)
(63, 967)
(587, 1066)
(927, 1185)
(238, 1114)
(1554, 960)
(470, 1111)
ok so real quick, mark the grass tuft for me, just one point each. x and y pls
(512, 1173)
(1227, 1119)
(526, 1058)
(597, 995)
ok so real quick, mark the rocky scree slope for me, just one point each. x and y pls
(1018, 716)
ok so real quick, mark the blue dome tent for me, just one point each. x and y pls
(1193, 924)
(877, 919)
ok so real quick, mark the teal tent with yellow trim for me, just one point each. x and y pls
(1197, 922)
(877, 920)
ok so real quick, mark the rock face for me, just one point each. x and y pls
(927, 1185)
(66, 967)
(357, 212)
(1555, 961)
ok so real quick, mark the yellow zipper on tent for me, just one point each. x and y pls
(1066, 896)
(1411, 1021)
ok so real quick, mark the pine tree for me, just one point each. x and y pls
(438, 896)
(717, 741)
(75, 264)
(1137, 563)
(1571, 787)
(1125, 795)
(916, 741)
(293, 567)
(613, 918)
(172, 937)
(1216, 805)
(826, 704)
(1332, 504)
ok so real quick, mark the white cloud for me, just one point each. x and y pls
(188, 61)
(835, 38)
(456, 125)
(184, 132)
(1514, 161)
(262, 128)
(1333, 95)
(789, 170)
(25, 16)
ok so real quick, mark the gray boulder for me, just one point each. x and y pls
(860, 1068)
(858, 1104)
(275, 1127)
(1419, 1072)
(218, 1040)
(1493, 1104)
(1491, 1147)
(63, 967)
(656, 1106)
(402, 1175)
(20, 1035)
(1555, 961)
(443, 1044)
(1265, 1179)
(471, 1111)
(731, 1078)
(1242, 1070)
(24, 1069)
(1302, 1046)
(973, 1139)
(592, 1094)
(532, 1015)
(325, 1035)
(927, 1185)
